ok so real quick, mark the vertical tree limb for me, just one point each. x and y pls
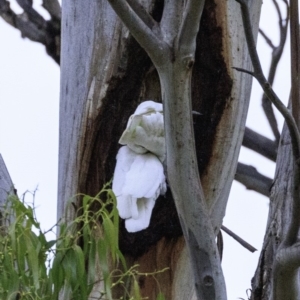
(175, 77)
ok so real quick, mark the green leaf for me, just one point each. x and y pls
(32, 259)
(136, 290)
(50, 244)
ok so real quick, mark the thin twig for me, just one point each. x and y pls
(267, 39)
(238, 239)
(276, 56)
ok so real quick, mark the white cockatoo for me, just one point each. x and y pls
(139, 174)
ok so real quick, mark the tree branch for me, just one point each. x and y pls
(149, 38)
(142, 13)
(34, 27)
(190, 26)
(27, 28)
(276, 55)
(53, 8)
(252, 179)
(32, 14)
(267, 39)
(260, 144)
(171, 20)
(239, 239)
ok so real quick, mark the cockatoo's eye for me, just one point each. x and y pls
(139, 175)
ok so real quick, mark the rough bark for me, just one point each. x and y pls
(105, 74)
(278, 222)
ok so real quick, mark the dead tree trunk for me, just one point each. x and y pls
(104, 75)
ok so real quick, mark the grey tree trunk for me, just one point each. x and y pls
(104, 75)
(264, 285)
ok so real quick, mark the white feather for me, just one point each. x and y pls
(145, 210)
(138, 181)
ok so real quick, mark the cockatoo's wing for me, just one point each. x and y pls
(138, 181)
(125, 157)
(144, 177)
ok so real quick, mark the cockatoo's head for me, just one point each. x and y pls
(145, 130)
(139, 174)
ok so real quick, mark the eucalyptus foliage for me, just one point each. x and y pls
(33, 268)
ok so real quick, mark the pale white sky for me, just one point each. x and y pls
(29, 103)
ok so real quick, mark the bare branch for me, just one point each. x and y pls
(21, 22)
(142, 13)
(171, 20)
(53, 8)
(34, 27)
(31, 13)
(267, 39)
(260, 144)
(239, 239)
(190, 26)
(244, 71)
(252, 179)
(149, 38)
(276, 55)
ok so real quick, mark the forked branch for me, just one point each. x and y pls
(33, 26)
(137, 20)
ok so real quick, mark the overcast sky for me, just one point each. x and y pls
(29, 102)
